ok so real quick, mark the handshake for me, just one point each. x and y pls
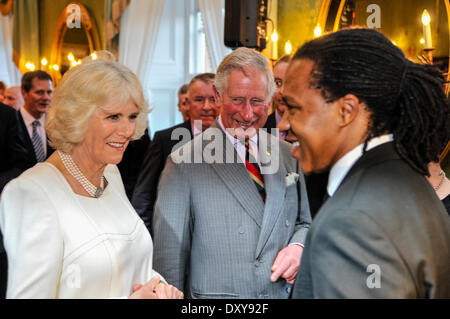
(155, 289)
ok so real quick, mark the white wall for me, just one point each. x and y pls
(169, 66)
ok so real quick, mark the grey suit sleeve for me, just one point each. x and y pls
(304, 217)
(172, 225)
(346, 256)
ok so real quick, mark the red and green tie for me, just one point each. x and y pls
(253, 169)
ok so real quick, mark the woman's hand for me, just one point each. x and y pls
(154, 289)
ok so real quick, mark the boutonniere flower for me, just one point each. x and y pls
(291, 178)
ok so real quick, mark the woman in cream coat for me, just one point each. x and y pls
(69, 229)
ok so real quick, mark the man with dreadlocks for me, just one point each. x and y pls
(375, 119)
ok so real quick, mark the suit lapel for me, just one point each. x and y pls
(275, 185)
(238, 181)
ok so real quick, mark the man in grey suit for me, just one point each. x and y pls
(222, 228)
(376, 119)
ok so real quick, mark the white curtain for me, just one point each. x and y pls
(139, 28)
(9, 73)
(212, 12)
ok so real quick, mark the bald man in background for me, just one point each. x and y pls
(13, 97)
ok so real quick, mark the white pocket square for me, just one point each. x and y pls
(291, 178)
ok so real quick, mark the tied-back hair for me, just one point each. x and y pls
(403, 98)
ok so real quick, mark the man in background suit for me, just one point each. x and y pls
(183, 105)
(229, 220)
(132, 159)
(13, 97)
(37, 90)
(279, 72)
(375, 119)
(202, 108)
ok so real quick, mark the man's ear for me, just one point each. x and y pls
(349, 108)
(217, 97)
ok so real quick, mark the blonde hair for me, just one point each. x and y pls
(82, 90)
(244, 59)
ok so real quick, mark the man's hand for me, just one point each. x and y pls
(287, 263)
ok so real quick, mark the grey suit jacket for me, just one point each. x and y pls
(213, 235)
(383, 234)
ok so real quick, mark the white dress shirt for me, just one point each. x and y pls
(29, 119)
(345, 163)
(239, 146)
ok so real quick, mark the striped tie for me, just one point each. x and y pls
(253, 169)
(37, 143)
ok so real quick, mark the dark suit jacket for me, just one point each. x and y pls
(145, 191)
(12, 163)
(13, 159)
(271, 123)
(25, 140)
(384, 227)
(132, 161)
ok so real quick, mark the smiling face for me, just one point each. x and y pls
(311, 119)
(110, 129)
(37, 100)
(245, 103)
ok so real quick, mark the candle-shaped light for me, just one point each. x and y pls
(71, 57)
(94, 56)
(30, 66)
(288, 47)
(55, 67)
(274, 39)
(426, 19)
(318, 31)
(44, 62)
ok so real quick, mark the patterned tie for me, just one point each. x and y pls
(253, 169)
(37, 143)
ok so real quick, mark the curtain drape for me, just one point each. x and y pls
(139, 28)
(212, 12)
(113, 12)
(9, 73)
(26, 33)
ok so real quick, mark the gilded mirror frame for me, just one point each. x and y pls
(87, 24)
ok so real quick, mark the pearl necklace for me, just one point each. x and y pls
(73, 169)
(442, 180)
